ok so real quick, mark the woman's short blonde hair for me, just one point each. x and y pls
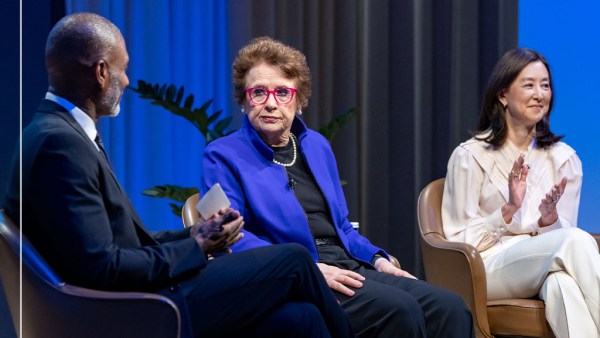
(289, 60)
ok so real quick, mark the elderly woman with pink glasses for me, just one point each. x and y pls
(283, 179)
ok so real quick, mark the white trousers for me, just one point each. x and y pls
(562, 267)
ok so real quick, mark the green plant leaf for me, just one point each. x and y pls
(223, 124)
(214, 116)
(172, 192)
(331, 129)
(206, 105)
(189, 101)
(161, 92)
(179, 96)
(176, 209)
(171, 91)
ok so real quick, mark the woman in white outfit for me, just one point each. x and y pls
(512, 191)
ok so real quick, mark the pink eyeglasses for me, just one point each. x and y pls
(259, 95)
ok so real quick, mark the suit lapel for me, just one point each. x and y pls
(51, 107)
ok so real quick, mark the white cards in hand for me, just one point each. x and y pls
(213, 201)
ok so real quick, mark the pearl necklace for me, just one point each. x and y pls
(293, 138)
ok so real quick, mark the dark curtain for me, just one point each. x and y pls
(414, 68)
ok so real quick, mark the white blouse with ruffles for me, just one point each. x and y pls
(476, 188)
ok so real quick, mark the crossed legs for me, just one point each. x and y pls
(276, 289)
(563, 268)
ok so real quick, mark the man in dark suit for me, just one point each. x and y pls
(80, 219)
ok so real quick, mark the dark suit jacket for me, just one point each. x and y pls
(80, 219)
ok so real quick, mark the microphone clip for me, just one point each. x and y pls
(291, 184)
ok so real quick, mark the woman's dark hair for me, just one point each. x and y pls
(492, 117)
(289, 60)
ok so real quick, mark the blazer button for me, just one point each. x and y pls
(174, 288)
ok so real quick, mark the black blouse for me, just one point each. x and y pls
(307, 191)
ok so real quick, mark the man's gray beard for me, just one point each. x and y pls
(116, 110)
(113, 99)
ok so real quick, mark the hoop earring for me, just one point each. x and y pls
(242, 110)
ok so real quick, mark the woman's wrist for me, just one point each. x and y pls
(508, 211)
(376, 258)
(543, 224)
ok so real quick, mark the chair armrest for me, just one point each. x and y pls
(82, 312)
(458, 267)
(597, 238)
(394, 261)
(189, 214)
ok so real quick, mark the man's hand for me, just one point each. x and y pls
(337, 278)
(383, 265)
(218, 232)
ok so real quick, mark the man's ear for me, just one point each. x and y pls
(102, 74)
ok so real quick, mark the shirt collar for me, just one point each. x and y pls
(298, 128)
(84, 120)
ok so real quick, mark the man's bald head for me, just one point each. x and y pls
(75, 44)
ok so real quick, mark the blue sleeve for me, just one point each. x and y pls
(219, 168)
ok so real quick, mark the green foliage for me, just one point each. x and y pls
(173, 192)
(171, 98)
(331, 129)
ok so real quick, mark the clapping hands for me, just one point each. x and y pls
(517, 188)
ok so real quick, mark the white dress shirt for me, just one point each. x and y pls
(84, 120)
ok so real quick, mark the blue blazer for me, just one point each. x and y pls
(243, 165)
(80, 219)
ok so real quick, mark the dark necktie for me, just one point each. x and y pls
(101, 146)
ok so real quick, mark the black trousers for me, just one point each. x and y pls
(275, 291)
(390, 306)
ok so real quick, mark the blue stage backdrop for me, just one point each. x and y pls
(171, 41)
(568, 34)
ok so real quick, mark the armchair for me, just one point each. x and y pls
(458, 267)
(53, 308)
